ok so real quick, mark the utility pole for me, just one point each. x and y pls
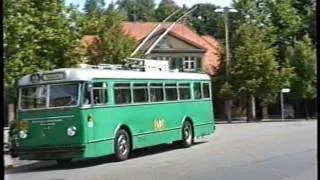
(226, 11)
(227, 102)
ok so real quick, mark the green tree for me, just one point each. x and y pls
(208, 22)
(165, 8)
(286, 22)
(303, 58)
(112, 45)
(111, 7)
(37, 36)
(137, 10)
(254, 71)
(306, 9)
(94, 6)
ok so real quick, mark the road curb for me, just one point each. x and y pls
(9, 164)
(235, 121)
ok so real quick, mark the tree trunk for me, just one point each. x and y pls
(306, 109)
(298, 114)
(251, 116)
(265, 112)
(227, 110)
(247, 109)
(316, 109)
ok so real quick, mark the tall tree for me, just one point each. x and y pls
(137, 10)
(111, 44)
(287, 23)
(37, 36)
(306, 9)
(303, 58)
(206, 21)
(111, 7)
(254, 71)
(165, 8)
(94, 6)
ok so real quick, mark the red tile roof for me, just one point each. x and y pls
(211, 58)
(180, 31)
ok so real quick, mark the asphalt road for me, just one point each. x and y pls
(244, 151)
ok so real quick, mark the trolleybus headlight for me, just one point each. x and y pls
(71, 131)
(23, 134)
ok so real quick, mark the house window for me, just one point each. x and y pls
(166, 58)
(191, 63)
(164, 43)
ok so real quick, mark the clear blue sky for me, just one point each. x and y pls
(179, 2)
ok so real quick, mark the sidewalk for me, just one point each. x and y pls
(244, 120)
(14, 162)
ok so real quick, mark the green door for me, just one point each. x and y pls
(99, 100)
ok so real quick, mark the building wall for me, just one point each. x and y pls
(174, 42)
(177, 52)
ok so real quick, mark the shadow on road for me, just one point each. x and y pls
(53, 166)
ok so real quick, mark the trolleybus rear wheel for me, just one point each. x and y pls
(122, 145)
(64, 161)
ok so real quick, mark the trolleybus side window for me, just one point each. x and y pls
(156, 92)
(122, 94)
(197, 90)
(140, 92)
(171, 92)
(205, 90)
(99, 92)
(184, 91)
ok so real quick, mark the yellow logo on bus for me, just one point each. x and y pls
(23, 125)
(159, 124)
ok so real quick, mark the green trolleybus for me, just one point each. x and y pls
(78, 113)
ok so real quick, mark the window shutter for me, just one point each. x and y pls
(176, 63)
(198, 61)
(172, 64)
(179, 64)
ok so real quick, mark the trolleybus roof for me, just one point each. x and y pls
(81, 74)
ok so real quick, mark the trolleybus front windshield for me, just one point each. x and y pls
(49, 96)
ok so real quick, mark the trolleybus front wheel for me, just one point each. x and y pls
(187, 134)
(122, 145)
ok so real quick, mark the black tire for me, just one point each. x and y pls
(122, 145)
(187, 134)
(13, 154)
(64, 162)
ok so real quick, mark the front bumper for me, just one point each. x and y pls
(50, 153)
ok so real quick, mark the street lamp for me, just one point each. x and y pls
(226, 11)
(285, 90)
